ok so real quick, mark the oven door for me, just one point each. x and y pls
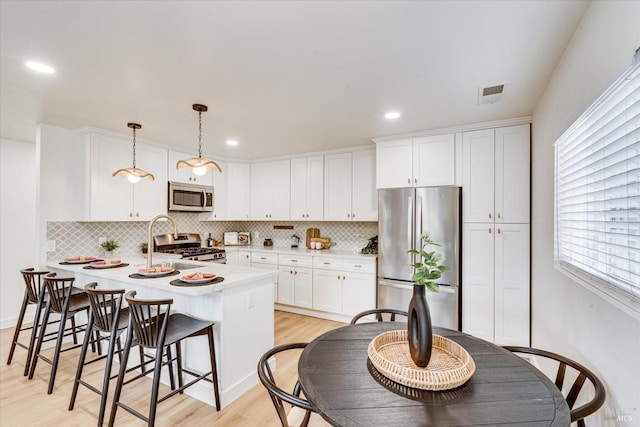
(190, 197)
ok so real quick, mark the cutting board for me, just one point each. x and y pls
(312, 232)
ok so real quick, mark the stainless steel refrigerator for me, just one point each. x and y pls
(403, 215)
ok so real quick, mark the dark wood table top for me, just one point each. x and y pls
(340, 381)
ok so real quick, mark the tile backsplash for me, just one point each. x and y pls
(81, 238)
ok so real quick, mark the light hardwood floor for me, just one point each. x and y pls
(26, 403)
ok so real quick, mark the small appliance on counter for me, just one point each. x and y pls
(295, 241)
(268, 242)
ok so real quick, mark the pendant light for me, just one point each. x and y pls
(133, 174)
(199, 164)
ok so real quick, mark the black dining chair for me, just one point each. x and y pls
(582, 374)
(301, 413)
(379, 315)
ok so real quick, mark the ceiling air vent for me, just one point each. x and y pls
(490, 95)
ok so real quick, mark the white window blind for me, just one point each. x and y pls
(597, 189)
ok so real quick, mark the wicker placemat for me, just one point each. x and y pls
(450, 365)
(90, 267)
(142, 276)
(213, 281)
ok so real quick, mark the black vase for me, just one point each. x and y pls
(419, 329)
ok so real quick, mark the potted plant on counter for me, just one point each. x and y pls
(109, 246)
(428, 270)
(144, 247)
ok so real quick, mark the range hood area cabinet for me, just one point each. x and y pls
(425, 161)
(113, 198)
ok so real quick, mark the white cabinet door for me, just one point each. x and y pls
(270, 187)
(150, 198)
(512, 284)
(238, 190)
(244, 258)
(394, 161)
(185, 175)
(307, 183)
(364, 195)
(303, 287)
(286, 290)
(434, 159)
(327, 291)
(478, 280)
(220, 202)
(111, 197)
(512, 175)
(358, 293)
(478, 176)
(337, 187)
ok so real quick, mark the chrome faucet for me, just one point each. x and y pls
(149, 241)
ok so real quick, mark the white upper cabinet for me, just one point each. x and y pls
(238, 190)
(496, 175)
(116, 199)
(349, 187)
(185, 175)
(307, 184)
(220, 202)
(416, 162)
(270, 190)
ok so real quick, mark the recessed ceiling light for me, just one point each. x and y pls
(392, 115)
(232, 142)
(42, 68)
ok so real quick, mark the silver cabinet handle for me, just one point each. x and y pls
(489, 230)
(498, 231)
(489, 215)
(408, 180)
(499, 215)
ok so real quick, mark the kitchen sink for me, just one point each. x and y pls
(178, 265)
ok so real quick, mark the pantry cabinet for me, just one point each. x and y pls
(349, 187)
(270, 190)
(307, 185)
(238, 190)
(496, 175)
(416, 162)
(116, 199)
(495, 291)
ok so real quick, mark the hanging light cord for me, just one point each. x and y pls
(134, 147)
(200, 134)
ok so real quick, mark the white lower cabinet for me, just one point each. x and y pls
(244, 257)
(327, 291)
(295, 281)
(357, 294)
(495, 282)
(267, 261)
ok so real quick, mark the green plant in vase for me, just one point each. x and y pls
(109, 246)
(419, 330)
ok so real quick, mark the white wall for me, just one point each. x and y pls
(566, 317)
(17, 224)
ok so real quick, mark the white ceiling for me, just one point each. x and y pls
(281, 77)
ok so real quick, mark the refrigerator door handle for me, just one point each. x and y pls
(419, 216)
(398, 285)
(410, 232)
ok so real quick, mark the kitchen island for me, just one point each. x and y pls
(241, 305)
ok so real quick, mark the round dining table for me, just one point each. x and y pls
(347, 390)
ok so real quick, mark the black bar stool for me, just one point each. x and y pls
(152, 326)
(33, 294)
(108, 320)
(63, 301)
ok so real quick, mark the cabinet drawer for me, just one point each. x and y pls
(359, 266)
(295, 260)
(327, 263)
(264, 258)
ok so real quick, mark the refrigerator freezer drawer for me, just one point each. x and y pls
(443, 305)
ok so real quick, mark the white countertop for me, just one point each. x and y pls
(302, 250)
(234, 275)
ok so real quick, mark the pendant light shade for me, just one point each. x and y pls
(199, 164)
(133, 174)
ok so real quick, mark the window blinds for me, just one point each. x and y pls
(598, 193)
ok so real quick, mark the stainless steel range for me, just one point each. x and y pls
(189, 245)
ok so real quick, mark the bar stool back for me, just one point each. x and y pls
(152, 326)
(61, 300)
(108, 320)
(33, 294)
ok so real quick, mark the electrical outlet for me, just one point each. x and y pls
(101, 240)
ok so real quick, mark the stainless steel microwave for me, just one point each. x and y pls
(190, 197)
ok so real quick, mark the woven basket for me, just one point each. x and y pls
(450, 365)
